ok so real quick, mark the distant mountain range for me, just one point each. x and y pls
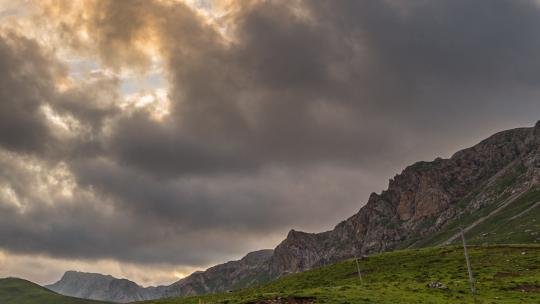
(250, 270)
(492, 190)
(103, 287)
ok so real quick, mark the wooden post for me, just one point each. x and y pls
(469, 269)
(358, 268)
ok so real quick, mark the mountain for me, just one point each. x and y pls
(504, 274)
(18, 291)
(103, 287)
(491, 190)
(248, 271)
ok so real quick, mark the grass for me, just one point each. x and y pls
(505, 274)
(18, 291)
(498, 229)
(453, 227)
(517, 223)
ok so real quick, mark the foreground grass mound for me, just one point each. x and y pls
(504, 274)
(18, 291)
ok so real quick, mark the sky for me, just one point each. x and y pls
(147, 139)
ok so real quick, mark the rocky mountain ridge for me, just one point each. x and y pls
(421, 201)
(423, 206)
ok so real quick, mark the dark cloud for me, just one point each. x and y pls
(343, 83)
(25, 85)
(162, 148)
(281, 116)
(29, 93)
(113, 212)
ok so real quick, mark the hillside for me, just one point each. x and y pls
(18, 291)
(504, 274)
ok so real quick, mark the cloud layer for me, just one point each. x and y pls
(277, 115)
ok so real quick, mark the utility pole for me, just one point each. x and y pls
(469, 269)
(358, 268)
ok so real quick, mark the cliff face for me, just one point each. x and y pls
(420, 201)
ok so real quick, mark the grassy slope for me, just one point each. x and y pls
(503, 228)
(401, 277)
(506, 227)
(517, 223)
(18, 291)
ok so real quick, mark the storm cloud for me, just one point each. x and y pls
(276, 115)
(25, 85)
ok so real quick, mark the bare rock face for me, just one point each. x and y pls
(308, 246)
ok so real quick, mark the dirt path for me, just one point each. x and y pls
(286, 300)
(525, 211)
(508, 201)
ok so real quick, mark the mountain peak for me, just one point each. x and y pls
(537, 130)
(74, 274)
(257, 257)
(98, 286)
(292, 233)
